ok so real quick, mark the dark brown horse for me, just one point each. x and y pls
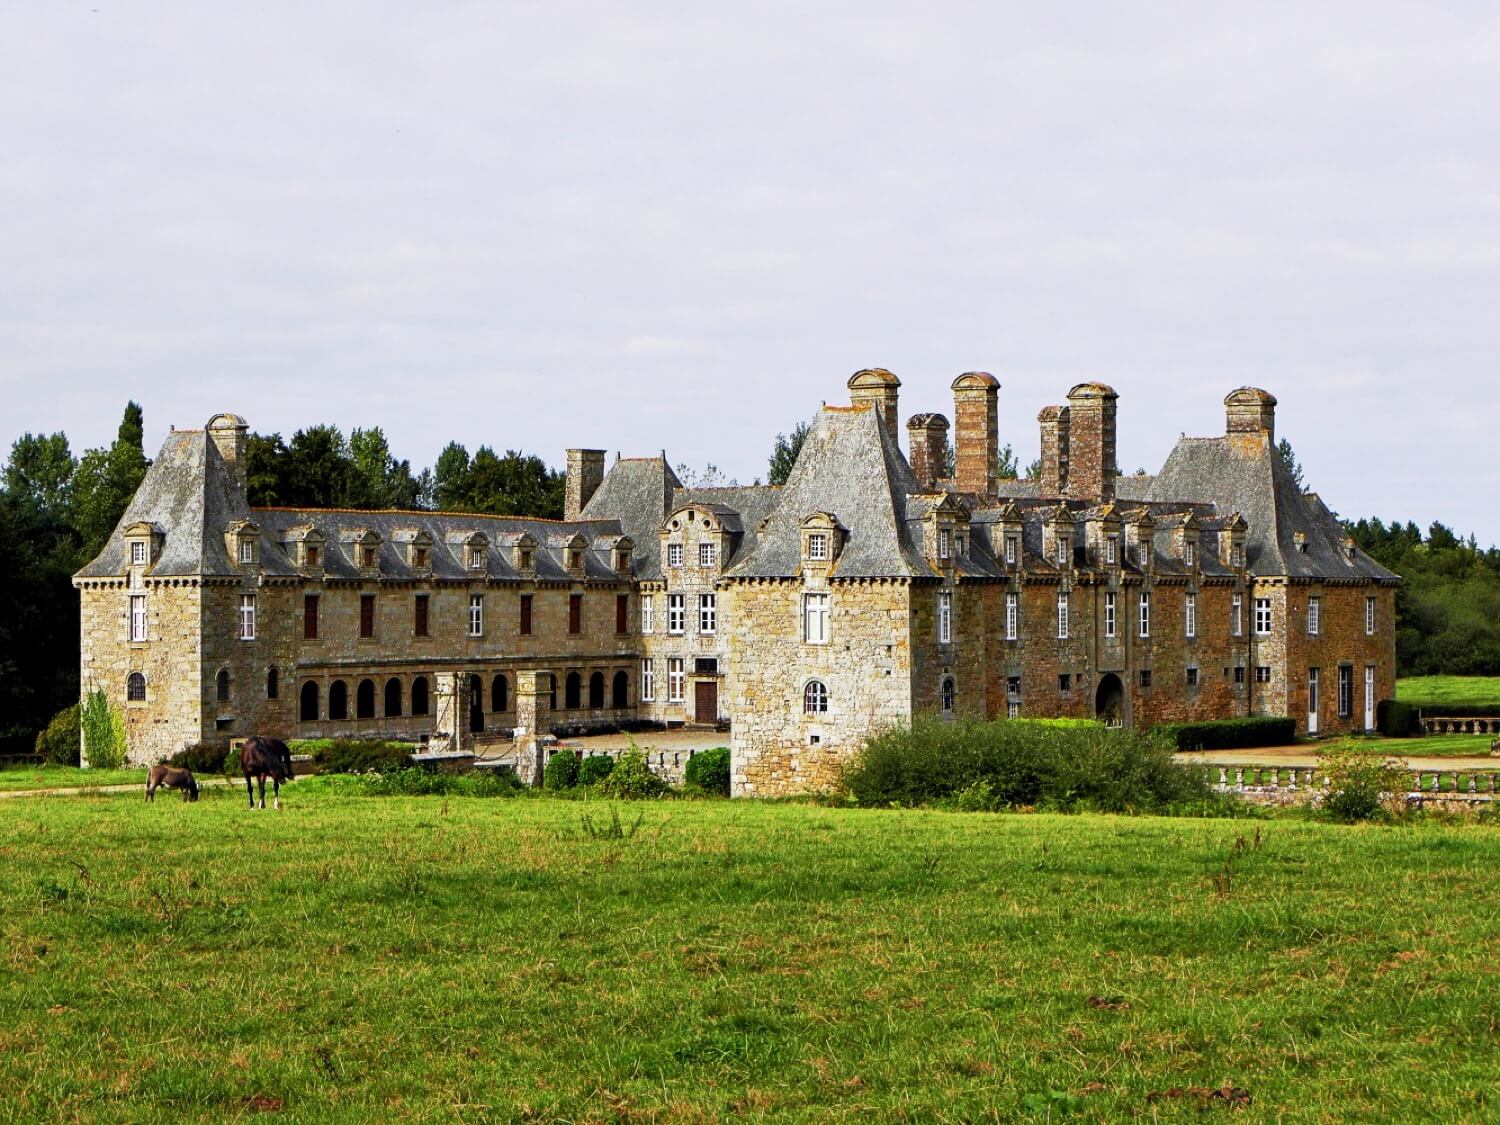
(263, 757)
(172, 778)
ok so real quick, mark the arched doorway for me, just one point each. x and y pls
(1109, 700)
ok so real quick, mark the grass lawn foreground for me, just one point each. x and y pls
(1425, 690)
(464, 959)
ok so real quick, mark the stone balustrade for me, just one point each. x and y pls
(1446, 724)
(1293, 784)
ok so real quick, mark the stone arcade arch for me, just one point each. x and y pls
(476, 704)
(1109, 700)
(392, 698)
(307, 709)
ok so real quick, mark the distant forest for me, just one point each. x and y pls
(57, 510)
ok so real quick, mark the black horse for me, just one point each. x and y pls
(261, 758)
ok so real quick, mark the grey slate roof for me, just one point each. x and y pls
(1256, 484)
(751, 504)
(636, 493)
(191, 494)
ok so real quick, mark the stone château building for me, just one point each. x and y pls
(870, 587)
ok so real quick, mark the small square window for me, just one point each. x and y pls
(817, 546)
(1262, 673)
(708, 555)
(1192, 677)
(247, 551)
(674, 554)
(1065, 682)
(1145, 677)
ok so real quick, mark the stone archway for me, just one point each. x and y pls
(1109, 700)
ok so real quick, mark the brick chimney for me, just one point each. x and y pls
(927, 438)
(878, 386)
(231, 437)
(1091, 442)
(1054, 423)
(585, 475)
(976, 416)
(1250, 417)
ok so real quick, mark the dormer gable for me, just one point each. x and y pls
(1009, 538)
(1140, 539)
(945, 531)
(1232, 542)
(823, 538)
(476, 552)
(1058, 530)
(575, 552)
(143, 543)
(523, 555)
(1187, 538)
(1103, 537)
(307, 548)
(621, 552)
(242, 542)
(418, 551)
(364, 551)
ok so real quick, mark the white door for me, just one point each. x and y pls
(1369, 697)
(1312, 701)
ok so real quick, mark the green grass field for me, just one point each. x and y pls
(49, 776)
(445, 959)
(1421, 690)
(1433, 746)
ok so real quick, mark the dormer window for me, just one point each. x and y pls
(962, 546)
(1062, 551)
(311, 555)
(475, 558)
(1190, 554)
(575, 560)
(708, 555)
(367, 557)
(138, 553)
(1012, 549)
(945, 549)
(419, 558)
(525, 559)
(1111, 549)
(1237, 556)
(247, 550)
(1300, 539)
(817, 547)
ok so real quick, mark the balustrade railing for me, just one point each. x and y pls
(1261, 780)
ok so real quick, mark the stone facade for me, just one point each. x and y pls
(804, 617)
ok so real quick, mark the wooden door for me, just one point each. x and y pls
(706, 701)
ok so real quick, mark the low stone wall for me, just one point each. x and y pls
(1297, 785)
(1445, 724)
(669, 765)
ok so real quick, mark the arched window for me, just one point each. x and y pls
(551, 692)
(815, 698)
(573, 693)
(621, 694)
(476, 704)
(392, 698)
(307, 709)
(950, 693)
(499, 694)
(222, 686)
(419, 696)
(338, 700)
(364, 700)
(273, 683)
(596, 691)
(135, 687)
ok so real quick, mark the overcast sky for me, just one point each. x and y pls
(639, 226)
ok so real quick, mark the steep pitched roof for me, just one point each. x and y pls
(852, 468)
(1253, 480)
(192, 495)
(637, 492)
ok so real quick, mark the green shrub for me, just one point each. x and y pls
(1361, 785)
(708, 770)
(1227, 734)
(60, 742)
(419, 782)
(353, 755)
(204, 758)
(103, 732)
(1395, 719)
(561, 771)
(1020, 763)
(595, 769)
(632, 779)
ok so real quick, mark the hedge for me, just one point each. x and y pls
(1228, 734)
(561, 770)
(708, 770)
(352, 755)
(595, 769)
(205, 758)
(1395, 719)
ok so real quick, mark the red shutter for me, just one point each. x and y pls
(622, 612)
(310, 616)
(421, 615)
(525, 615)
(367, 615)
(575, 613)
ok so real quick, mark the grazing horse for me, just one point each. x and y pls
(172, 778)
(263, 757)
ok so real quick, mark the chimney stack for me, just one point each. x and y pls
(1250, 416)
(585, 475)
(231, 437)
(976, 416)
(1091, 442)
(1054, 422)
(878, 386)
(927, 438)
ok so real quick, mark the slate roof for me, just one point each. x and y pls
(751, 504)
(637, 492)
(1236, 477)
(192, 495)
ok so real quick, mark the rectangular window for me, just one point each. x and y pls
(1236, 556)
(1064, 682)
(525, 615)
(1012, 614)
(476, 615)
(368, 555)
(312, 556)
(575, 613)
(961, 545)
(708, 613)
(1064, 552)
(367, 615)
(1262, 673)
(1314, 615)
(310, 617)
(817, 547)
(944, 547)
(137, 553)
(419, 560)
(1109, 615)
(1192, 677)
(1012, 709)
(708, 555)
(247, 617)
(1190, 554)
(1239, 674)
(1012, 549)
(1262, 616)
(1013, 686)
(1369, 617)
(815, 619)
(1191, 615)
(945, 618)
(138, 617)
(648, 681)
(622, 613)
(648, 613)
(247, 551)
(476, 558)
(1145, 615)
(1346, 690)
(1111, 549)
(674, 554)
(419, 621)
(676, 680)
(1062, 617)
(676, 614)
(1236, 615)
(1145, 677)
